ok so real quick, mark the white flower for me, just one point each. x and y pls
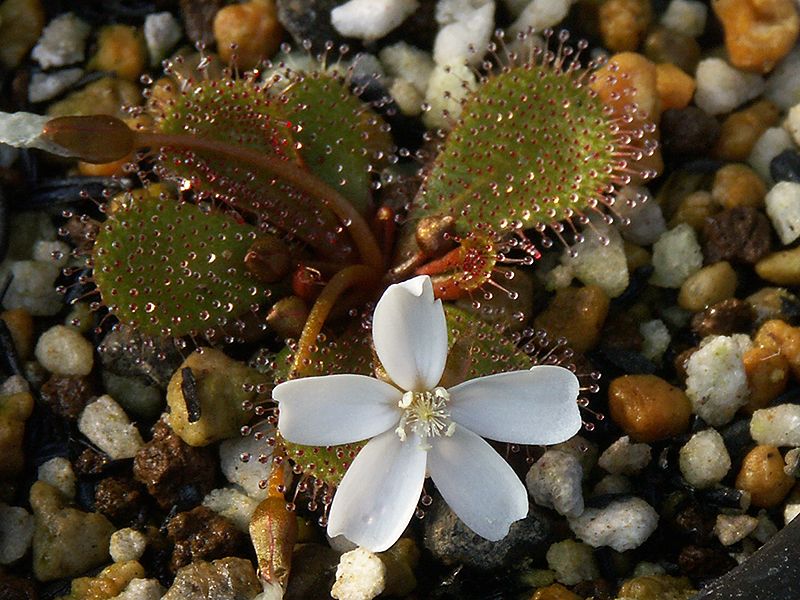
(419, 429)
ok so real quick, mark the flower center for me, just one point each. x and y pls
(425, 413)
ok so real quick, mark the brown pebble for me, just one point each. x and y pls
(198, 18)
(91, 462)
(555, 592)
(657, 587)
(694, 209)
(175, 473)
(623, 23)
(120, 50)
(781, 268)
(252, 27)
(699, 562)
(712, 284)
(767, 373)
(763, 476)
(21, 24)
(779, 335)
(675, 87)
(20, 325)
(758, 33)
(740, 234)
(738, 185)
(67, 396)
(695, 523)
(648, 408)
(664, 45)
(740, 130)
(724, 318)
(576, 314)
(681, 361)
(202, 534)
(119, 498)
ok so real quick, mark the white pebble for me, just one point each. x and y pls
(777, 426)
(716, 382)
(33, 288)
(161, 32)
(734, 528)
(141, 589)
(14, 385)
(783, 209)
(360, 575)
(646, 220)
(655, 339)
(108, 427)
(624, 458)
(447, 87)
(585, 451)
(721, 88)
(676, 256)
(599, 260)
(403, 61)
(127, 544)
(554, 481)
(58, 473)
(538, 15)
(465, 39)
(16, 533)
(46, 86)
(704, 459)
(783, 84)
(408, 99)
(233, 505)
(249, 474)
(771, 143)
(64, 351)
(622, 525)
(572, 562)
(686, 16)
(370, 20)
(55, 252)
(62, 42)
(792, 123)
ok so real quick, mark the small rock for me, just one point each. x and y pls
(740, 234)
(161, 32)
(572, 562)
(676, 255)
(370, 20)
(66, 396)
(225, 579)
(32, 288)
(141, 589)
(703, 562)
(308, 20)
(717, 383)
(782, 268)
(664, 45)
(623, 23)
(762, 475)
(447, 87)
(740, 130)
(657, 587)
(792, 125)
(66, 541)
(464, 31)
(16, 533)
(786, 166)
(688, 132)
(693, 209)
(576, 314)
(738, 185)
(624, 458)
(20, 326)
(46, 86)
(758, 34)
(452, 542)
(64, 351)
(554, 481)
(655, 339)
(783, 209)
(58, 473)
(174, 472)
(622, 524)
(14, 412)
(538, 15)
(721, 87)
(127, 544)
(232, 504)
(704, 459)
(107, 583)
(645, 217)
(252, 27)
(767, 375)
(137, 398)
(21, 23)
(647, 408)
(792, 508)
(198, 17)
(783, 87)
(599, 260)
(724, 318)
(120, 50)
(202, 534)
(555, 591)
(686, 16)
(215, 408)
(734, 528)
(128, 353)
(712, 284)
(313, 569)
(777, 426)
(406, 62)
(772, 142)
(776, 334)
(62, 43)
(120, 498)
(108, 427)
(629, 77)
(360, 575)
(251, 472)
(585, 451)
(612, 485)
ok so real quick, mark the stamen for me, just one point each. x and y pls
(425, 414)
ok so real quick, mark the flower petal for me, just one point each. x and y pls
(480, 487)
(379, 492)
(410, 334)
(521, 407)
(335, 409)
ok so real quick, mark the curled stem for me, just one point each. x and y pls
(346, 278)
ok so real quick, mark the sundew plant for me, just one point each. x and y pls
(266, 209)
